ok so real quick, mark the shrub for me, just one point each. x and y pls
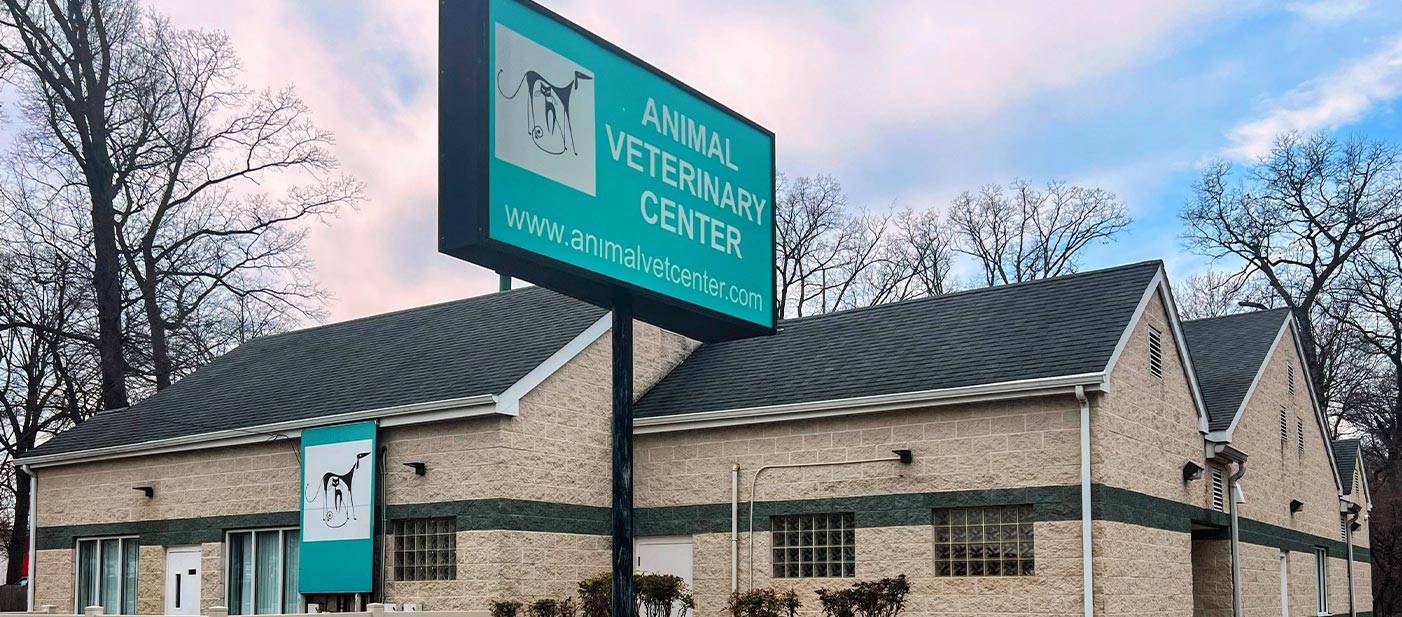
(505, 608)
(763, 603)
(883, 598)
(548, 607)
(654, 595)
(595, 595)
(657, 595)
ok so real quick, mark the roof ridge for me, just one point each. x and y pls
(975, 290)
(411, 309)
(1278, 309)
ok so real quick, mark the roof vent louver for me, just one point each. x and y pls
(1155, 352)
(1219, 491)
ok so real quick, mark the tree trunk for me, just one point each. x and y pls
(160, 343)
(107, 284)
(18, 548)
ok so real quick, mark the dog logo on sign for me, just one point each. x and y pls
(543, 110)
(548, 110)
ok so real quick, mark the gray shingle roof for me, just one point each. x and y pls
(476, 346)
(1227, 353)
(1346, 455)
(1049, 328)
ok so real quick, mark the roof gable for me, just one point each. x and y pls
(481, 345)
(1228, 354)
(1055, 327)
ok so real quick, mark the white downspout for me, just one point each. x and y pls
(734, 528)
(1233, 498)
(33, 533)
(1087, 576)
(1348, 546)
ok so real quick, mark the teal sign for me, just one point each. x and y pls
(338, 509)
(568, 162)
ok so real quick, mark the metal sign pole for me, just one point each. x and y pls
(622, 604)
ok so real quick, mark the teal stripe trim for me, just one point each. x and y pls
(1049, 503)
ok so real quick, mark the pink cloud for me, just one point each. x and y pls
(829, 81)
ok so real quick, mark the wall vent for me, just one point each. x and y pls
(1300, 433)
(1155, 352)
(1219, 491)
(1290, 378)
(1284, 428)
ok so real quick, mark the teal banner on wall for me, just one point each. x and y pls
(586, 170)
(338, 509)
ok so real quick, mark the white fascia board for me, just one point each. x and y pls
(509, 402)
(399, 415)
(869, 404)
(1159, 285)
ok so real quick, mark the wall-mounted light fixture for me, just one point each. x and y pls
(1192, 471)
(1355, 526)
(905, 456)
(419, 468)
(1296, 505)
(150, 492)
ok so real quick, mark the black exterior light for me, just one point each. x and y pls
(1296, 505)
(1192, 471)
(905, 456)
(150, 492)
(419, 468)
(1355, 526)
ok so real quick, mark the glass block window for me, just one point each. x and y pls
(426, 549)
(814, 545)
(107, 575)
(989, 541)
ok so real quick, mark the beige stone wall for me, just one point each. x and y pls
(1005, 444)
(556, 450)
(54, 584)
(1141, 571)
(1212, 578)
(890, 551)
(1146, 427)
(508, 565)
(1278, 471)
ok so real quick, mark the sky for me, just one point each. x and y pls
(906, 102)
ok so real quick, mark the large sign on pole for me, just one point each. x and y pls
(337, 551)
(569, 163)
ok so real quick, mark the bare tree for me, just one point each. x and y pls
(1026, 233)
(914, 259)
(822, 250)
(71, 59)
(1296, 218)
(1368, 300)
(47, 374)
(191, 240)
(1216, 293)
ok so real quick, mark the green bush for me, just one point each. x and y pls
(548, 607)
(882, 598)
(763, 603)
(505, 608)
(654, 595)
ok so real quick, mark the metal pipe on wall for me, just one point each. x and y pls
(1233, 498)
(1087, 571)
(33, 533)
(734, 528)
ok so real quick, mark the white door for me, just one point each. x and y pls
(664, 555)
(183, 580)
(1284, 584)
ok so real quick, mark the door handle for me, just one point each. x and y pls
(177, 590)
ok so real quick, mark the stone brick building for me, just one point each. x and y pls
(989, 444)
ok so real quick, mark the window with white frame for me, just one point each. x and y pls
(426, 549)
(262, 571)
(987, 541)
(107, 574)
(1321, 578)
(1155, 352)
(814, 545)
